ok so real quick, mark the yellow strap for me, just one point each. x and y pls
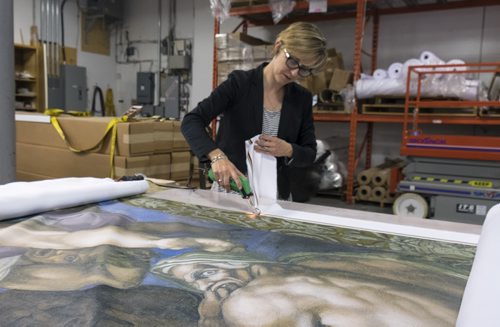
(57, 112)
(111, 127)
(109, 103)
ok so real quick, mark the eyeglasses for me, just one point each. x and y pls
(293, 63)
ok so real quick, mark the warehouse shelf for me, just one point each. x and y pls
(260, 15)
(28, 78)
(415, 142)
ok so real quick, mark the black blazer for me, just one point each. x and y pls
(239, 101)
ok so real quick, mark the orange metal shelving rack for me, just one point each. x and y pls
(355, 118)
(415, 142)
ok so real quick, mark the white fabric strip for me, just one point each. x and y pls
(375, 222)
(262, 174)
(481, 301)
(25, 198)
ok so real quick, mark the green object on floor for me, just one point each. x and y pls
(245, 191)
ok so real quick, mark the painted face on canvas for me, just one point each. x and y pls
(210, 277)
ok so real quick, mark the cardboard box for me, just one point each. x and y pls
(340, 79)
(133, 138)
(233, 40)
(180, 165)
(37, 160)
(180, 142)
(163, 136)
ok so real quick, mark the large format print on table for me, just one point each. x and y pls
(153, 262)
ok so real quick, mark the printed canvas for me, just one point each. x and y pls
(153, 262)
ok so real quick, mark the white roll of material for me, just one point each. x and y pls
(481, 297)
(429, 58)
(456, 62)
(20, 199)
(379, 74)
(384, 87)
(395, 70)
(408, 63)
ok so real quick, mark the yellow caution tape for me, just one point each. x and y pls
(485, 184)
(110, 128)
(475, 183)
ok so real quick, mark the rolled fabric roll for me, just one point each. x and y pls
(364, 192)
(365, 176)
(383, 87)
(429, 58)
(381, 177)
(456, 62)
(409, 63)
(481, 296)
(395, 70)
(379, 193)
(380, 74)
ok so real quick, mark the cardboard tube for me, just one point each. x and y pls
(365, 176)
(364, 192)
(379, 193)
(381, 177)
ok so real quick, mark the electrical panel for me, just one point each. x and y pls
(74, 82)
(145, 87)
(68, 91)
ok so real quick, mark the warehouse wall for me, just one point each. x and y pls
(450, 34)
(101, 69)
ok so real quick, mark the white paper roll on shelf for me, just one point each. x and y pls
(395, 70)
(408, 63)
(380, 74)
(383, 87)
(429, 58)
(456, 62)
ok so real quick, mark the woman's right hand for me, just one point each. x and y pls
(224, 169)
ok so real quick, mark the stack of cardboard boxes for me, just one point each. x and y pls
(333, 79)
(240, 51)
(154, 148)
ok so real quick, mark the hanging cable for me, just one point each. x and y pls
(97, 91)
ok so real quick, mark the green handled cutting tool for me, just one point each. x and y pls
(245, 191)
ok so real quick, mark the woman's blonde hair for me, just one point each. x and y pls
(305, 40)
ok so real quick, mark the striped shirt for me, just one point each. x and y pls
(271, 122)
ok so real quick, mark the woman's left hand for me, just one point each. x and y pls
(273, 146)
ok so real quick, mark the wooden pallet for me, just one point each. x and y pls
(330, 108)
(398, 109)
(490, 112)
(402, 100)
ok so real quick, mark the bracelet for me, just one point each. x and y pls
(220, 156)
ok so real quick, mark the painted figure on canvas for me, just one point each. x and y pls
(313, 289)
(230, 271)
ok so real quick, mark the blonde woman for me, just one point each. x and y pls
(264, 101)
